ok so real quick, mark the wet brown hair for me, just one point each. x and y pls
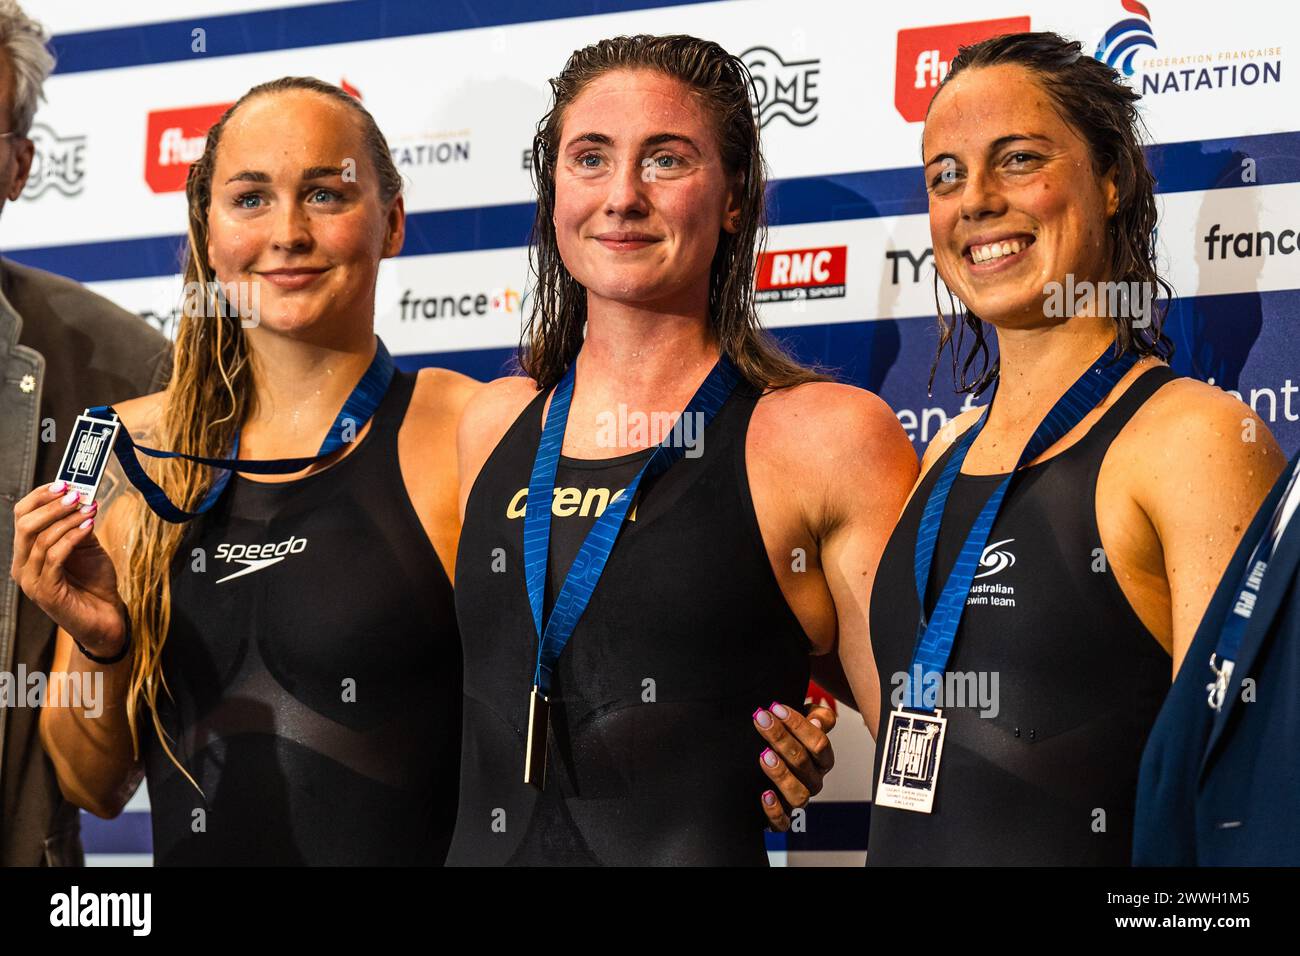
(1101, 108)
(721, 84)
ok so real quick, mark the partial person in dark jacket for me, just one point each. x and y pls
(61, 348)
(1221, 786)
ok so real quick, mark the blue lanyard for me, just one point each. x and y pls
(589, 563)
(1252, 579)
(354, 414)
(935, 637)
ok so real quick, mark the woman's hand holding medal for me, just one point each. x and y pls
(60, 565)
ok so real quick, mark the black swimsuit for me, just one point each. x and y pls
(653, 757)
(315, 667)
(1050, 779)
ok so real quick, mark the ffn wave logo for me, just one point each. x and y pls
(1123, 40)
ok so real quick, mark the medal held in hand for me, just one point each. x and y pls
(86, 456)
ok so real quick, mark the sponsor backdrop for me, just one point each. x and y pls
(847, 280)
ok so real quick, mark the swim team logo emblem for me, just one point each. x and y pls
(1123, 40)
(781, 88)
(255, 557)
(923, 54)
(994, 560)
(58, 162)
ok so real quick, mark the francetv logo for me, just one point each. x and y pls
(923, 54)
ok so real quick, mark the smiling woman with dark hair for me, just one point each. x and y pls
(1063, 540)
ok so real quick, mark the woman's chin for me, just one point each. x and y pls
(632, 292)
(1017, 312)
(293, 324)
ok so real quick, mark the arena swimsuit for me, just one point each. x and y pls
(653, 757)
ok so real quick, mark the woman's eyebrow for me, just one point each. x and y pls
(311, 172)
(660, 138)
(1010, 138)
(996, 145)
(321, 172)
(250, 176)
(598, 139)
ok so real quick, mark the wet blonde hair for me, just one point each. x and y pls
(208, 400)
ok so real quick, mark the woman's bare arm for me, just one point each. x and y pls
(90, 746)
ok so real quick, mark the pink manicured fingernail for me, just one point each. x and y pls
(762, 718)
(90, 508)
(779, 710)
(58, 487)
(69, 498)
(769, 798)
(88, 523)
(769, 758)
(816, 722)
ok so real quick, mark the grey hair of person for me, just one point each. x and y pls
(25, 44)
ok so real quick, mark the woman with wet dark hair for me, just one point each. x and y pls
(744, 548)
(1051, 566)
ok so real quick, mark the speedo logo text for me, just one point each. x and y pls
(255, 557)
